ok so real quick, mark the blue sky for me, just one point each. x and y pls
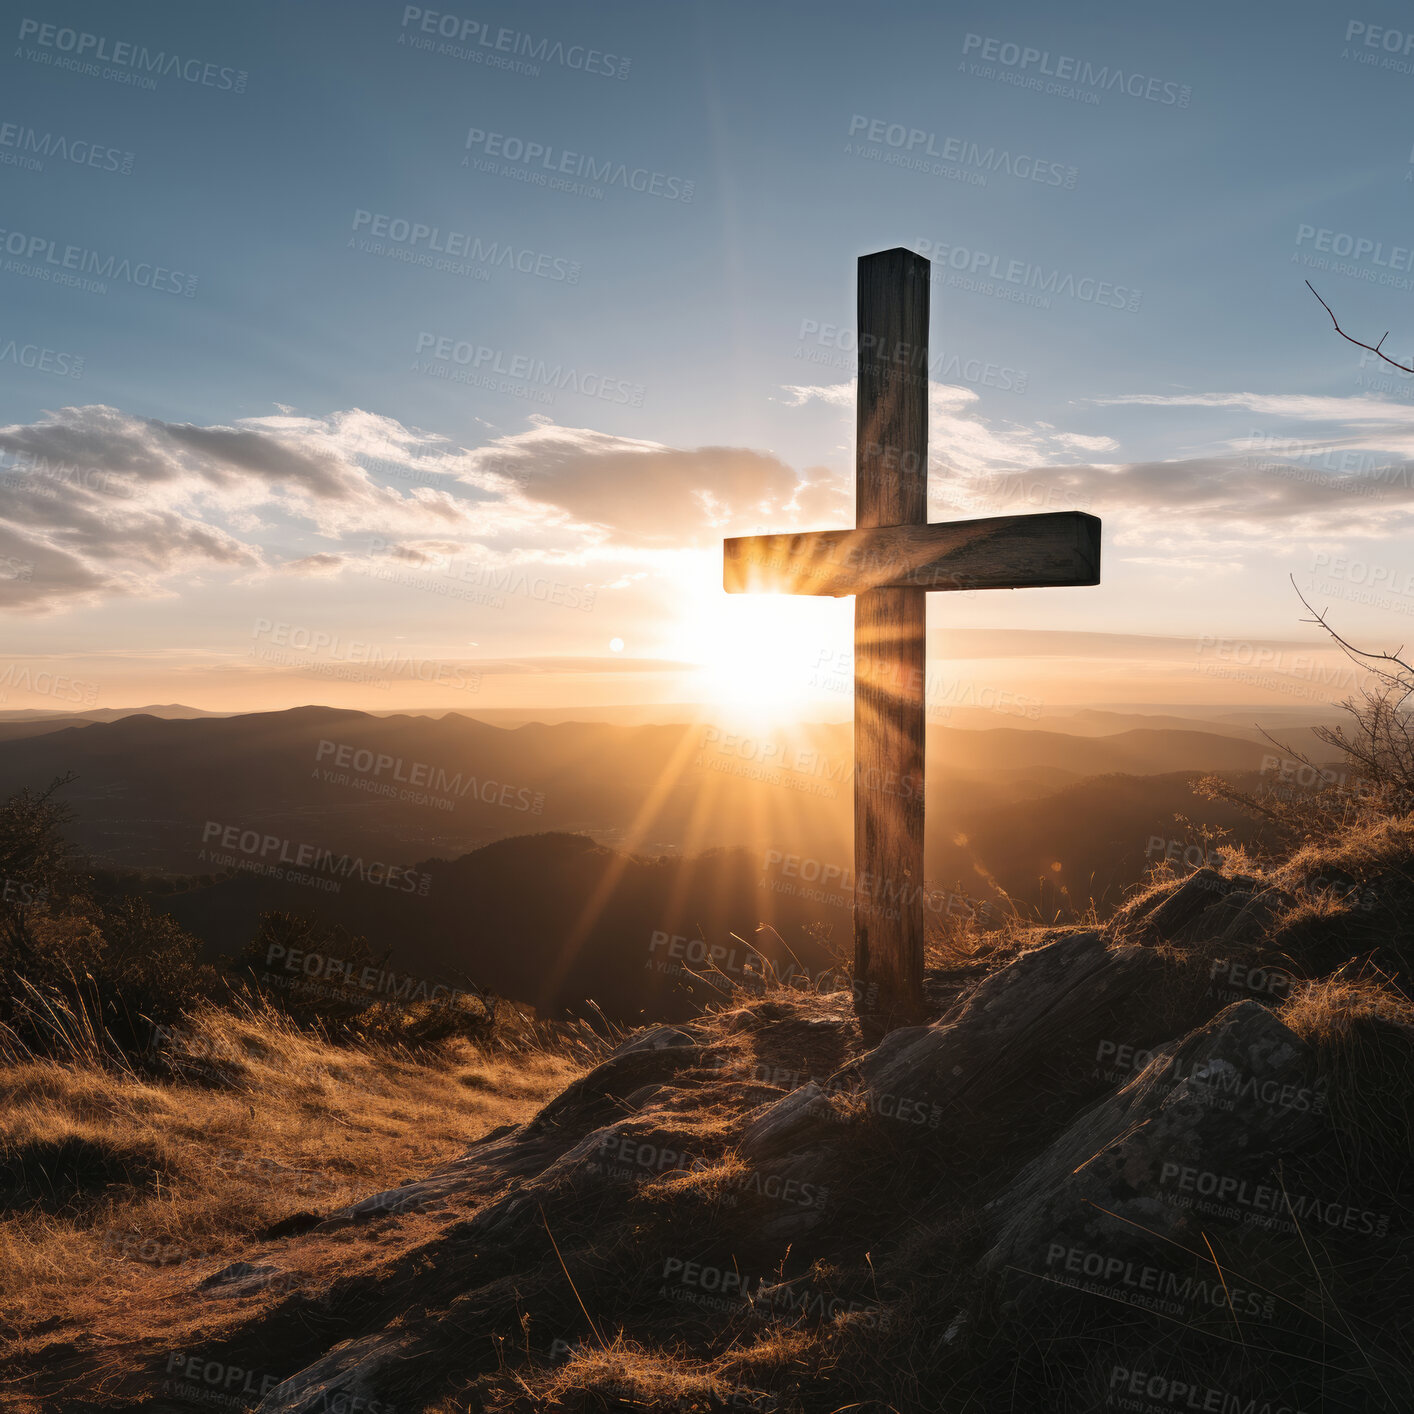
(808, 137)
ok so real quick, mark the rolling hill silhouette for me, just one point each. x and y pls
(551, 920)
(149, 791)
(547, 877)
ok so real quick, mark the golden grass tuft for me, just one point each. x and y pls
(1363, 1033)
(121, 1190)
(1368, 850)
(625, 1374)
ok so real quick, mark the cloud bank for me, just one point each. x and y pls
(98, 502)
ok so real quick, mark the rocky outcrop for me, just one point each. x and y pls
(1204, 907)
(1229, 1099)
(1163, 1196)
(350, 1377)
(656, 1038)
(1051, 1005)
(643, 1066)
(1134, 1196)
(1161, 914)
(595, 1144)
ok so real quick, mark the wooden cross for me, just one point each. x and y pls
(889, 563)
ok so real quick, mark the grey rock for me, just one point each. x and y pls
(794, 1143)
(987, 1052)
(238, 1274)
(352, 1376)
(594, 1098)
(633, 1148)
(659, 1038)
(1230, 1098)
(1254, 920)
(1191, 896)
(1213, 921)
(407, 1197)
(1160, 916)
(779, 1126)
(523, 1151)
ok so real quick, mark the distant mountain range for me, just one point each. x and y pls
(1075, 721)
(105, 714)
(1007, 806)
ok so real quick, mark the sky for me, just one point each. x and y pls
(394, 357)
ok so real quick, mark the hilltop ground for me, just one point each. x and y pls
(1139, 1168)
(1159, 1162)
(123, 1189)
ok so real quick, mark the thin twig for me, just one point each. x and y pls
(570, 1279)
(1230, 1310)
(1394, 680)
(1373, 348)
(1349, 647)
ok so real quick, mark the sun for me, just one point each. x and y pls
(771, 657)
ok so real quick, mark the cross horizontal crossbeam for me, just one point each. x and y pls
(1061, 548)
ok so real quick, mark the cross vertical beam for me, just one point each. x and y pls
(891, 488)
(889, 561)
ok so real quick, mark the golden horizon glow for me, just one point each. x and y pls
(765, 656)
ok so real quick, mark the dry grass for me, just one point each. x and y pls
(122, 1190)
(1363, 1032)
(1377, 850)
(585, 1325)
(625, 1375)
(129, 1188)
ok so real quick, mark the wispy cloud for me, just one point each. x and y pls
(1307, 485)
(961, 440)
(1306, 407)
(100, 502)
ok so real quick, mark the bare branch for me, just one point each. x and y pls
(1373, 348)
(1354, 653)
(1380, 744)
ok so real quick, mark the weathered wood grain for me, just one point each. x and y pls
(1057, 548)
(891, 489)
(891, 412)
(889, 668)
(890, 562)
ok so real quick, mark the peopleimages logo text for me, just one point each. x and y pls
(981, 264)
(462, 245)
(514, 41)
(529, 369)
(272, 850)
(578, 164)
(1396, 257)
(100, 49)
(48, 252)
(28, 145)
(1079, 71)
(916, 141)
(422, 773)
